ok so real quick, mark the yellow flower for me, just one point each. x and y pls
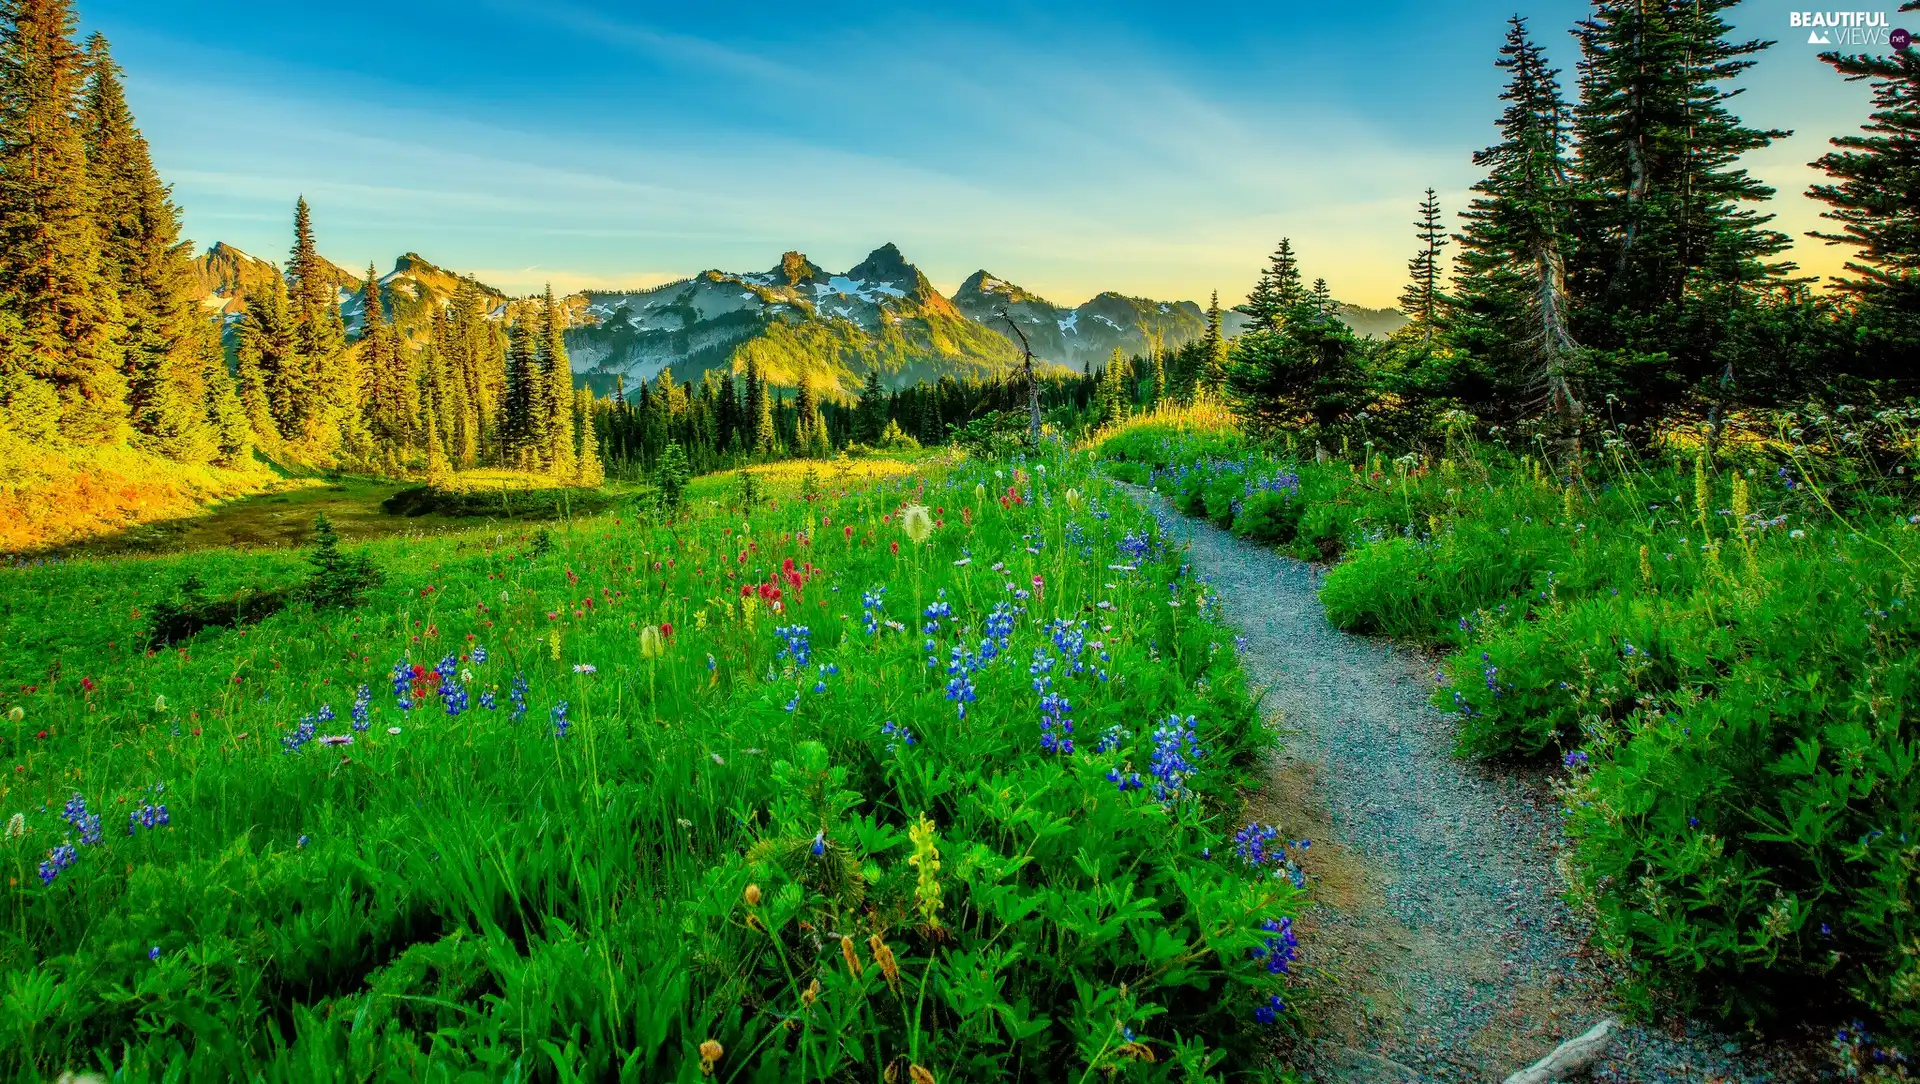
(700, 619)
(747, 605)
(917, 522)
(852, 957)
(710, 1052)
(752, 895)
(979, 492)
(16, 713)
(811, 994)
(919, 1074)
(1074, 500)
(926, 859)
(553, 643)
(652, 646)
(159, 703)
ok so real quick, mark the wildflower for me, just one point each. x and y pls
(1269, 1013)
(16, 826)
(160, 703)
(58, 860)
(926, 859)
(919, 1074)
(1575, 759)
(1277, 950)
(16, 713)
(362, 703)
(819, 843)
(479, 654)
(1176, 749)
(917, 523)
(710, 1052)
(153, 953)
(1074, 500)
(560, 721)
(652, 644)
(302, 842)
(337, 739)
(847, 953)
(897, 736)
(393, 730)
(752, 895)
(811, 994)
(585, 668)
(882, 955)
(517, 695)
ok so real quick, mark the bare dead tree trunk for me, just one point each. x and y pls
(1033, 386)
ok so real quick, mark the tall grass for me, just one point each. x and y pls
(767, 792)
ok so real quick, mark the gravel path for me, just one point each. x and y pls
(1438, 919)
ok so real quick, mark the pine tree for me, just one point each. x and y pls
(1157, 374)
(145, 261)
(765, 439)
(1421, 300)
(439, 468)
(870, 416)
(327, 380)
(1213, 366)
(590, 473)
(1666, 239)
(53, 279)
(523, 380)
(1321, 298)
(1511, 272)
(392, 388)
(561, 457)
(1278, 289)
(272, 383)
(1116, 394)
(1874, 196)
(810, 428)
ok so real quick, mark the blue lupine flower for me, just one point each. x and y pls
(1254, 845)
(148, 816)
(453, 696)
(479, 654)
(153, 953)
(517, 695)
(403, 683)
(795, 643)
(87, 824)
(1575, 759)
(1056, 724)
(302, 841)
(325, 714)
(57, 861)
(1269, 1012)
(820, 842)
(448, 667)
(1277, 950)
(1125, 782)
(1176, 749)
(362, 704)
(303, 732)
(560, 720)
(1112, 739)
(897, 736)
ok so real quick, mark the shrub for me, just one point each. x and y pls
(338, 579)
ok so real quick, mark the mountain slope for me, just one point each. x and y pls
(412, 291)
(881, 314)
(1087, 334)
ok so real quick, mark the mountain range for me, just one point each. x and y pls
(882, 314)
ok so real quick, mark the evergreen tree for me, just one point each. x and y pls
(143, 257)
(590, 472)
(1277, 290)
(327, 381)
(1511, 273)
(1421, 299)
(1874, 196)
(1157, 375)
(766, 438)
(1213, 367)
(272, 382)
(811, 428)
(439, 468)
(1666, 242)
(1321, 298)
(54, 283)
(870, 416)
(1116, 396)
(561, 457)
(523, 383)
(392, 388)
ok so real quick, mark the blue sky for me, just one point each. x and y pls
(1150, 148)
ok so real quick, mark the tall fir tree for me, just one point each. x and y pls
(1667, 242)
(1873, 195)
(516, 428)
(1278, 289)
(870, 415)
(1213, 355)
(562, 458)
(1421, 300)
(65, 355)
(1510, 274)
(590, 471)
(328, 381)
(391, 386)
(163, 332)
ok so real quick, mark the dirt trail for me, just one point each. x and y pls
(1438, 923)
